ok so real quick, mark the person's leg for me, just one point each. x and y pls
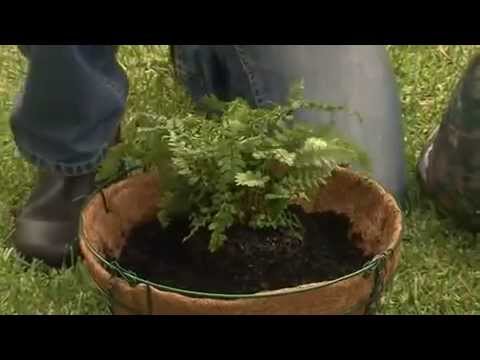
(449, 167)
(64, 121)
(357, 77)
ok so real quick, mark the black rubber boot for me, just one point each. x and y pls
(47, 227)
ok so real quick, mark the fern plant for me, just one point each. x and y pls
(241, 166)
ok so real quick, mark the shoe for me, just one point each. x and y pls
(449, 166)
(47, 227)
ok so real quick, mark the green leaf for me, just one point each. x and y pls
(276, 196)
(284, 156)
(163, 218)
(4, 126)
(113, 162)
(217, 241)
(260, 155)
(251, 179)
(314, 144)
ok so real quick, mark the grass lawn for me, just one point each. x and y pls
(440, 268)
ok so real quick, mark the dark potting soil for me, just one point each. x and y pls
(250, 261)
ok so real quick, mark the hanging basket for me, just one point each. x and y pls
(111, 215)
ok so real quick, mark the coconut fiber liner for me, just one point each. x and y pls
(112, 214)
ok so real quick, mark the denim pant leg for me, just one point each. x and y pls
(69, 110)
(357, 77)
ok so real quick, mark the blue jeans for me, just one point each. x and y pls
(74, 97)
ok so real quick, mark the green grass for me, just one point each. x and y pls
(440, 268)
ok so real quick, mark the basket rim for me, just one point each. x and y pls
(370, 266)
